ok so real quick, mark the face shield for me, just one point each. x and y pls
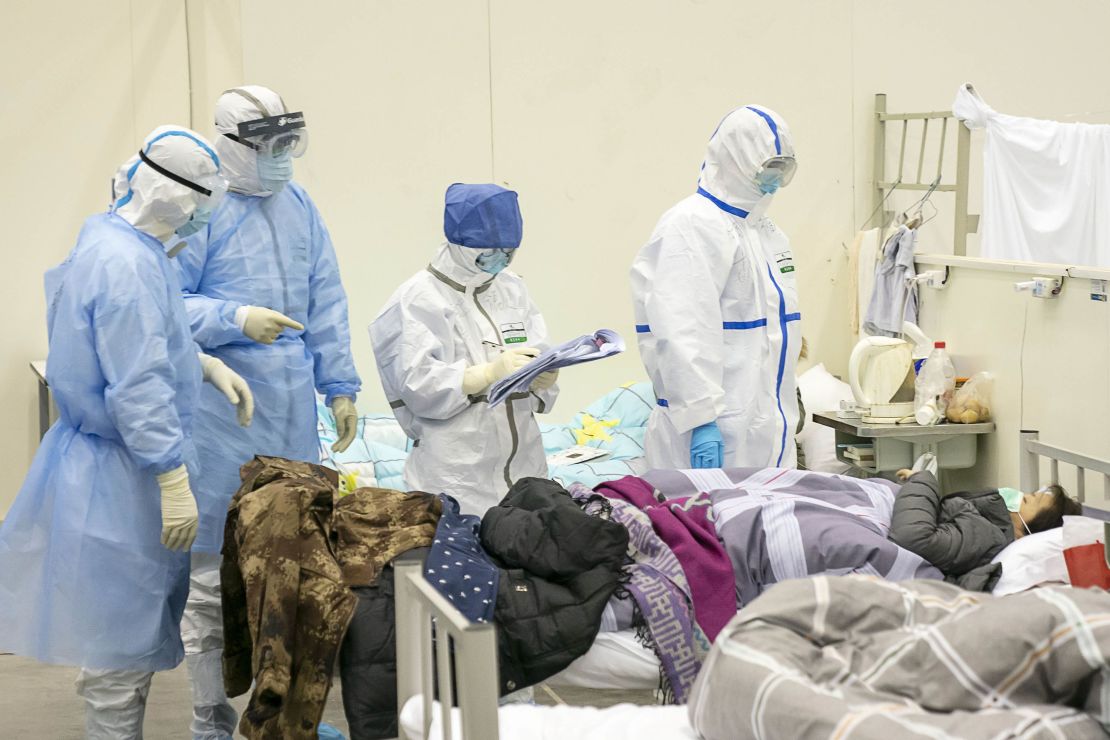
(276, 140)
(276, 137)
(776, 172)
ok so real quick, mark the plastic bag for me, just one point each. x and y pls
(971, 404)
(1085, 553)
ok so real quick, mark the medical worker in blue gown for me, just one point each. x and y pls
(94, 563)
(715, 297)
(263, 294)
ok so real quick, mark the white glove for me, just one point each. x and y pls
(228, 382)
(179, 510)
(479, 377)
(263, 325)
(346, 422)
(544, 380)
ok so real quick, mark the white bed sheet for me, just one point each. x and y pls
(533, 722)
(616, 660)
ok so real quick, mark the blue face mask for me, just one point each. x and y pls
(769, 181)
(494, 261)
(274, 172)
(196, 222)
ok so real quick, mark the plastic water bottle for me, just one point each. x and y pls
(934, 386)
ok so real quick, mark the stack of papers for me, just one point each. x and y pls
(587, 348)
(575, 455)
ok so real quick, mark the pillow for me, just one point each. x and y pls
(821, 391)
(1030, 561)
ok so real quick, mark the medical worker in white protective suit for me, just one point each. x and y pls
(446, 335)
(716, 304)
(262, 292)
(94, 561)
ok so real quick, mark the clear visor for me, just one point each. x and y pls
(778, 169)
(492, 252)
(290, 143)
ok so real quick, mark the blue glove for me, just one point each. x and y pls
(706, 446)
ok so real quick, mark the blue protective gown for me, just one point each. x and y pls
(272, 252)
(84, 578)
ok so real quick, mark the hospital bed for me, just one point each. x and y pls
(477, 716)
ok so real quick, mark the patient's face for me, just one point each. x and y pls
(1034, 503)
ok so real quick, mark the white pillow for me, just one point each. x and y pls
(1032, 560)
(821, 391)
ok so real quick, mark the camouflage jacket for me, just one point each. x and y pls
(292, 551)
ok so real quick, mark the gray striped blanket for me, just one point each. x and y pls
(859, 657)
(778, 524)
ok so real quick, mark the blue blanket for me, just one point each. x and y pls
(615, 423)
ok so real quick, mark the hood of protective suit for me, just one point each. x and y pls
(743, 141)
(240, 162)
(152, 202)
(459, 264)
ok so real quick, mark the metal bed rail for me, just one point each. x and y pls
(924, 179)
(463, 657)
(1032, 450)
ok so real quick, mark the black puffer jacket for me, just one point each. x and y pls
(561, 566)
(960, 533)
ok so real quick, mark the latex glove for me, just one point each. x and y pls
(544, 380)
(179, 510)
(228, 382)
(706, 446)
(346, 422)
(480, 377)
(263, 325)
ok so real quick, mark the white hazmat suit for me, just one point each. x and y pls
(716, 307)
(445, 319)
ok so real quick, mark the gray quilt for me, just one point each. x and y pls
(780, 524)
(860, 657)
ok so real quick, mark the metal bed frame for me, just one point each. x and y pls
(886, 183)
(421, 610)
(1032, 450)
(471, 675)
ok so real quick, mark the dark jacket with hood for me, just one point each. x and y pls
(960, 533)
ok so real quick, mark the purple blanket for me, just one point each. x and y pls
(684, 526)
(779, 524)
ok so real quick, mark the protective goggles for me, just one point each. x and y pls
(274, 136)
(209, 189)
(778, 169)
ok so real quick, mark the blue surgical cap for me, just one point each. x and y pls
(482, 217)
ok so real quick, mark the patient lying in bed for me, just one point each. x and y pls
(962, 532)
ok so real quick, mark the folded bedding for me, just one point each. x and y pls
(863, 657)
